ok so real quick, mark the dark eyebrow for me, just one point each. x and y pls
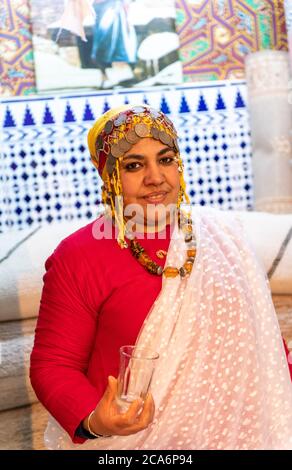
(141, 157)
(165, 150)
(134, 155)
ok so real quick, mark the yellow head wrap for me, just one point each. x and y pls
(112, 135)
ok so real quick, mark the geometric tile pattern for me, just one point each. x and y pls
(45, 170)
(16, 64)
(215, 36)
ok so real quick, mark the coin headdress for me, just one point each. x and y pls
(114, 134)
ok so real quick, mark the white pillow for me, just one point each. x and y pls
(23, 255)
(271, 237)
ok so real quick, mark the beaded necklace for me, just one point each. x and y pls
(169, 271)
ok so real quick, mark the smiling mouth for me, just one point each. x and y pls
(156, 197)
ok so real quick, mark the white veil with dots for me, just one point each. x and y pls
(222, 380)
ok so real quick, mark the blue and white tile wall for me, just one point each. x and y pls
(45, 170)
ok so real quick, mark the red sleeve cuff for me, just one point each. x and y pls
(287, 354)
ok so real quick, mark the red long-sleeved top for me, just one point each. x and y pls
(94, 300)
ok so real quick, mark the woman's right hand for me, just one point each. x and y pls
(108, 420)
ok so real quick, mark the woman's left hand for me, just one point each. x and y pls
(108, 420)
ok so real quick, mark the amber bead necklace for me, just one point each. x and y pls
(169, 271)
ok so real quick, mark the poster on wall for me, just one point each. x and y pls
(288, 13)
(105, 44)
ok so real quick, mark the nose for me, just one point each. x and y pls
(154, 175)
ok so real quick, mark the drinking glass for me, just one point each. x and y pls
(135, 374)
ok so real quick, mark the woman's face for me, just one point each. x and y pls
(150, 178)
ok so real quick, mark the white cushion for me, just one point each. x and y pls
(267, 233)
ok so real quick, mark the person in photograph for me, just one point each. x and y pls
(155, 272)
(114, 39)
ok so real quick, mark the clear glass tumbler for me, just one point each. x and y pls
(135, 374)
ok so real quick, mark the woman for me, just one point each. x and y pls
(222, 380)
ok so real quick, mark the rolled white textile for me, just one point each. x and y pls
(268, 75)
(271, 237)
(22, 258)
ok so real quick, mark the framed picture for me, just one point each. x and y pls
(105, 43)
